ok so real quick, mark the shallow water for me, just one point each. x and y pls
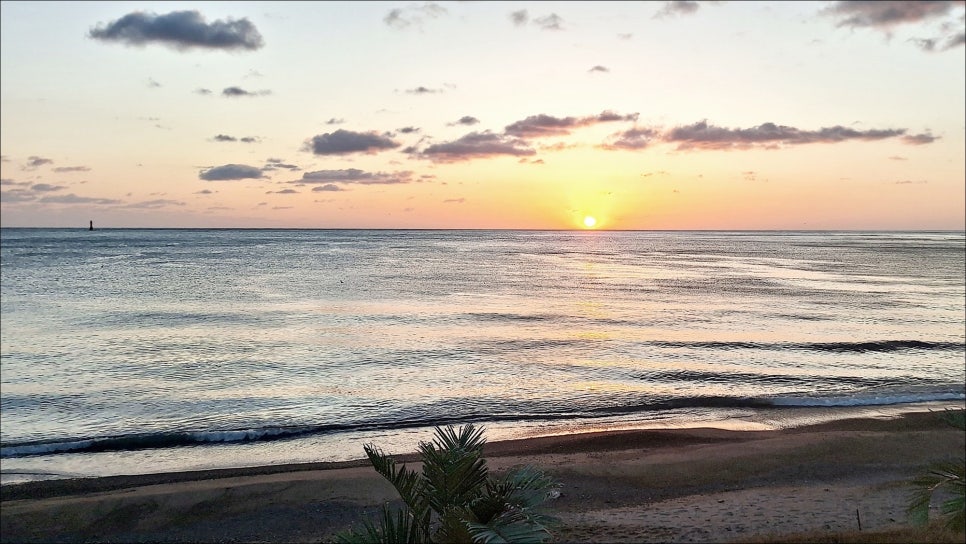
(301, 344)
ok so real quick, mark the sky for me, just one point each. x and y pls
(484, 115)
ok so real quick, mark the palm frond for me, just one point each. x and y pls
(942, 475)
(454, 470)
(956, 418)
(527, 487)
(510, 526)
(407, 482)
(394, 527)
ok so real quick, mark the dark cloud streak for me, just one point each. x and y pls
(181, 30)
(342, 142)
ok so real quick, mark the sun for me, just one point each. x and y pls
(589, 221)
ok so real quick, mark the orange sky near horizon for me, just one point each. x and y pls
(489, 115)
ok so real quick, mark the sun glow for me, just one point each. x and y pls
(589, 222)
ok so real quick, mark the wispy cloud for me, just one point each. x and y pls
(413, 16)
(635, 138)
(354, 176)
(342, 142)
(34, 161)
(154, 204)
(231, 172)
(68, 169)
(466, 120)
(702, 135)
(520, 17)
(886, 16)
(599, 68)
(278, 164)
(74, 199)
(423, 90)
(46, 187)
(477, 145)
(229, 138)
(238, 91)
(550, 22)
(548, 125)
(679, 7)
(181, 30)
(919, 139)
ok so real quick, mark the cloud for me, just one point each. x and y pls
(278, 164)
(154, 204)
(401, 18)
(283, 192)
(477, 145)
(204, 192)
(635, 138)
(549, 22)
(919, 139)
(181, 30)
(224, 138)
(547, 125)
(248, 140)
(230, 172)
(679, 7)
(46, 187)
(74, 199)
(17, 195)
(887, 14)
(342, 142)
(520, 17)
(702, 135)
(408, 130)
(153, 84)
(466, 120)
(203, 91)
(238, 91)
(66, 169)
(454, 201)
(34, 161)
(423, 90)
(327, 187)
(334, 121)
(599, 68)
(354, 176)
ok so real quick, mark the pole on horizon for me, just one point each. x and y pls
(92, 225)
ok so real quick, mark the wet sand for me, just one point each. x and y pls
(675, 485)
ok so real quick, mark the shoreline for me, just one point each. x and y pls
(655, 485)
(603, 437)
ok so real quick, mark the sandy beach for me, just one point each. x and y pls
(676, 485)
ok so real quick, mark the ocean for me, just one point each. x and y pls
(130, 351)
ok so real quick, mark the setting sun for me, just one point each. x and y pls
(589, 222)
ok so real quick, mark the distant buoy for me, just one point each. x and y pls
(92, 226)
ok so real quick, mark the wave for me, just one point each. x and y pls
(177, 439)
(837, 347)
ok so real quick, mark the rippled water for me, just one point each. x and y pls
(122, 341)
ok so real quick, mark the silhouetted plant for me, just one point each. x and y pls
(455, 500)
(949, 476)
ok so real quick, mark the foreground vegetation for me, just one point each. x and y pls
(454, 499)
(946, 479)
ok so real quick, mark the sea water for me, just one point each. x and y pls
(129, 351)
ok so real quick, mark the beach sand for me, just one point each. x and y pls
(676, 485)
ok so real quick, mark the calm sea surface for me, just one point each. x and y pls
(133, 351)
